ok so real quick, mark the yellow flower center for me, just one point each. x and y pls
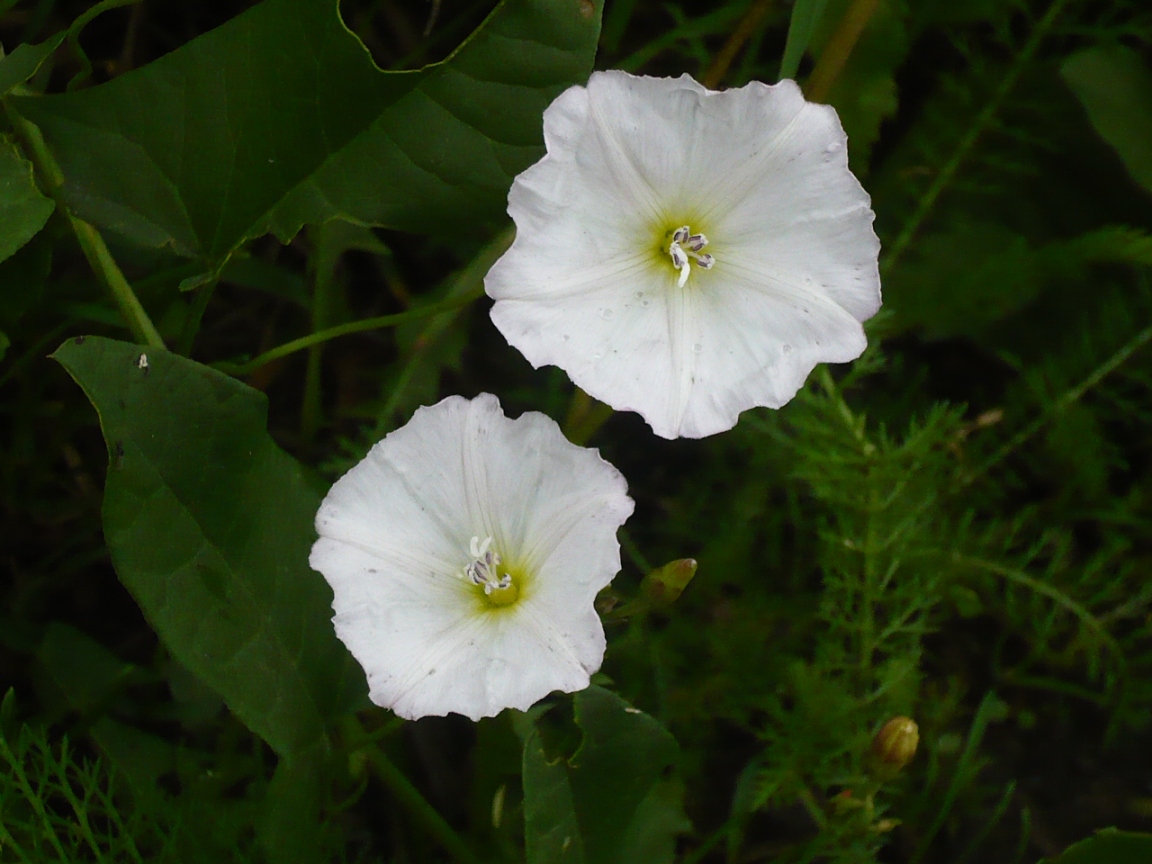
(496, 585)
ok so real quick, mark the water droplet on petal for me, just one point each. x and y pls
(565, 337)
(697, 348)
(606, 314)
(645, 303)
(787, 349)
(833, 147)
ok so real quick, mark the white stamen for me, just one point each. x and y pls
(483, 569)
(686, 245)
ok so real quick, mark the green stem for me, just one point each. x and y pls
(1007, 83)
(93, 245)
(241, 369)
(466, 282)
(409, 797)
(195, 315)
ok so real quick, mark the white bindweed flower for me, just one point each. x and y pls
(688, 254)
(465, 553)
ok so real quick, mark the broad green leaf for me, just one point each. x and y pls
(23, 210)
(615, 801)
(806, 14)
(25, 61)
(444, 156)
(1115, 88)
(210, 524)
(1109, 847)
(279, 118)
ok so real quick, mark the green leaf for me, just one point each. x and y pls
(1109, 847)
(615, 800)
(23, 210)
(806, 14)
(25, 61)
(444, 156)
(210, 524)
(279, 118)
(1115, 88)
(77, 673)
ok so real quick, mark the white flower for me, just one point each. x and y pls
(464, 553)
(688, 254)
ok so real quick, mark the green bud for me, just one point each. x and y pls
(664, 584)
(895, 744)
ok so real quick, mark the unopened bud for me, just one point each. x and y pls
(664, 584)
(895, 744)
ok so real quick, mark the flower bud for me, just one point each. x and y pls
(664, 584)
(895, 744)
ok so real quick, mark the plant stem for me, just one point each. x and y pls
(743, 32)
(409, 797)
(928, 200)
(839, 48)
(241, 369)
(91, 242)
(195, 315)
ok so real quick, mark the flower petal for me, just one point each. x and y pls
(396, 531)
(586, 285)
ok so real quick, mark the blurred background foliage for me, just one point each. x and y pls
(957, 528)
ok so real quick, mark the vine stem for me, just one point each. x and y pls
(1007, 83)
(321, 336)
(91, 242)
(839, 48)
(409, 797)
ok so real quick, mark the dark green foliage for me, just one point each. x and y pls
(956, 529)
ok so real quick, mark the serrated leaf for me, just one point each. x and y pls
(1109, 847)
(279, 118)
(209, 525)
(23, 210)
(615, 801)
(1115, 88)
